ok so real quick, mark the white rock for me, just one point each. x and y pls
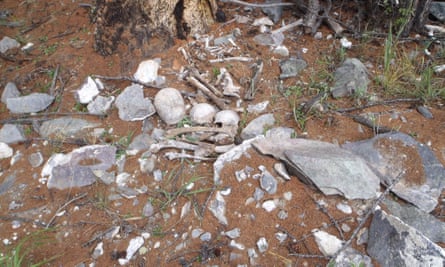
(269, 205)
(344, 208)
(5, 151)
(133, 247)
(345, 43)
(147, 71)
(88, 90)
(262, 244)
(202, 113)
(327, 243)
(170, 105)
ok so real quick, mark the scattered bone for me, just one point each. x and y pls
(154, 148)
(178, 131)
(175, 155)
(226, 59)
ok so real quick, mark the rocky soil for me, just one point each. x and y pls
(249, 146)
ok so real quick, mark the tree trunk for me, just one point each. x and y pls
(148, 26)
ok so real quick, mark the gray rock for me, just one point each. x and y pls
(7, 183)
(425, 112)
(268, 183)
(147, 164)
(275, 12)
(393, 243)
(132, 105)
(218, 208)
(230, 156)
(12, 133)
(10, 91)
(291, 67)
(257, 108)
(8, 43)
(257, 126)
(35, 159)
(88, 90)
(387, 155)
(5, 151)
(268, 39)
(280, 133)
(258, 194)
(141, 142)
(330, 168)
(425, 223)
(437, 9)
(34, 102)
(65, 127)
(233, 234)
(350, 78)
(351, 257)
(100, 105)
(148, 210)
(170, 105)
(76, 169)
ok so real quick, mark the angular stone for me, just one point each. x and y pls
(141, 142)
(77, 168)
(291, 67)
(132, 105)
(350, 78)
(5, 151)
(394, 154)
(65, 127)
(34, 102)
(12, 133)
(393, 243)
(100, 105)
(10, 91)
(147, 71)
(8, 43)
(425, 223)
(330, 168)
(257, 126)
(328, 244)
(351, 257)
(89, 89)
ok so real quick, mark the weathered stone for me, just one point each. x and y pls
(330, 168)
(141, 142)
(76, 169)
(328, 244)
(170, 105)
(35, 159)
(218, 208)
(88, 90)
(5, 151)
(437, 9)
(10, 91)
(65, 127)
(393, 243)
(132, 105)
(257, 126)
(147, 71)
(394, 154)
(100, 105)
(350, 78)
(351, 257)
(34, 102)
(12, 133)
(8, 43)
(291, 67)
(425, 223)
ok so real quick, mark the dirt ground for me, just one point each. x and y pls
(63, 38)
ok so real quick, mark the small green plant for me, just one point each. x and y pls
(80, 107)
(123, 143)
(300, 117)
(49, 49)
(186, 121)
(19, 255)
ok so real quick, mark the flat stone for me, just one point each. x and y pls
(393, 243)
(328, 244)
(101, 105)
(291, 67)
(132, 104)
(8, 43)
(257, 126)
(350, 78)
(77, 168)
(10, 91)
(437, 9)
(35, 159)
(65, 127)
(350, 257)
(425, 223)
(394, 154)
(34, 102)
(12, 134)
(218, 208)
(141, 142)
(330, 168)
